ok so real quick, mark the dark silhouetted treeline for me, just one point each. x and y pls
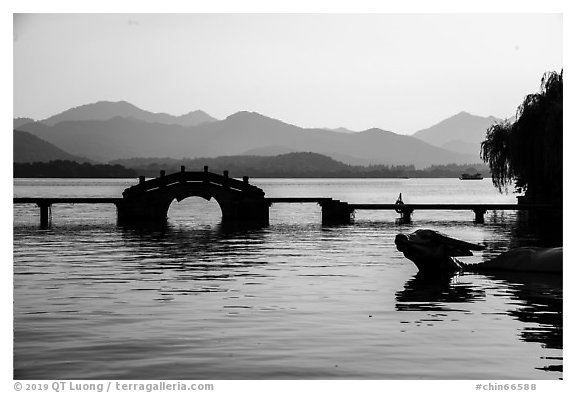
(71, 169)
(294, 165)
(291, 165)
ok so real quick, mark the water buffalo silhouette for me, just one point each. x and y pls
(434, 252)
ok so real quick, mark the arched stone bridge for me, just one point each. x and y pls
(150, 200)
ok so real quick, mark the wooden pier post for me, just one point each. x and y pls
(335, 212)
(406, 215)
(45, 210)
(479, 216)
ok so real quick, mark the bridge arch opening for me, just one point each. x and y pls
(195, 212)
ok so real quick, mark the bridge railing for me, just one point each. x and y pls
(193, 177)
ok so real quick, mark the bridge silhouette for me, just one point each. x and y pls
(150, 199)
(240, 202)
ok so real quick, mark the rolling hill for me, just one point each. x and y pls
(20, 121)
(30, 148)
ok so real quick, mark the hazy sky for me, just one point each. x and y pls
(399, 72)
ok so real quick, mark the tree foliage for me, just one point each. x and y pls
(528, 151)
(70, 169)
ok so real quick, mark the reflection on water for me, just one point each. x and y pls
(202, 254)
(535, 300)
(424, 292)
(539, 306)
(179, 244)
(195, 299)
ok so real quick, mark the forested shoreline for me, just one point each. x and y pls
(293, 165)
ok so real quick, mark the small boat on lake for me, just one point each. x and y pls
(467, 176)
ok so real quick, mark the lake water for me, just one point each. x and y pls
(294, 300)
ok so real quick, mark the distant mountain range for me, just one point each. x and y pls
(461, 133)
(106, 131)
(105, 110)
